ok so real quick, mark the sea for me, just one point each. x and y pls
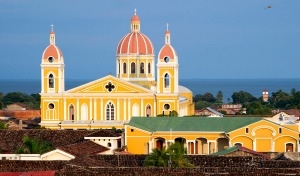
(197, 86)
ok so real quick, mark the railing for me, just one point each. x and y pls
(95, 122)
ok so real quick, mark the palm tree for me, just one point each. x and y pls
(178, 155)
(173, 156)
(158, 157)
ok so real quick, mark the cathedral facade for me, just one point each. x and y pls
(144, 86)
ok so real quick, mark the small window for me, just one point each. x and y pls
(166, 59)
(51, 81)
(51, 106)
(109, 144)
(50, 59)
(247, 130)
(280, 130)
(132, 130)
(167, 106)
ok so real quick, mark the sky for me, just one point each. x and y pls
(214, 39)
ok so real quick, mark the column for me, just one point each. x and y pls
(77, 109)
(91, 110)
(95, 109)
(118, 110)
(124, 110)
(101, 109)
(65, 109)
(142, 108)
(129, 110)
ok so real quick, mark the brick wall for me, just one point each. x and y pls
(21, 114)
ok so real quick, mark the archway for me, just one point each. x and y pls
(71, 113)
(201, 146)
(223, 143)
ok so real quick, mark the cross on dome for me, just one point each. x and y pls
(167, 26)
(134, 11)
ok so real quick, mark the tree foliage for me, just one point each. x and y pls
(32, 100)
(173, 156)
(34, 146)
(242, 97)
(3, 126)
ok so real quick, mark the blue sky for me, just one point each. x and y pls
(214, 39)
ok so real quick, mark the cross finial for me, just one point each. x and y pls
(135, 11)
(167, 26)
(52, 27)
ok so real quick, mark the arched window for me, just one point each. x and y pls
(142, 68)
(51, 81)
(149, 68)
(238, 144)
(71, 112)
(148, 110)
(135, 110)
(84, 112)
(289, 147)
(167, 80)
(110, 111)
(124, 67)
(132, 68)
(119, 68)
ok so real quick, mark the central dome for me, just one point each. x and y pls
(135, 42)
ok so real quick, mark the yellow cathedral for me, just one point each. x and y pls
(112, 101)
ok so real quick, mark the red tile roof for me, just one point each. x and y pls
(30, 173)
(84, 148)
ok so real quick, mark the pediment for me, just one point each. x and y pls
(109, 84)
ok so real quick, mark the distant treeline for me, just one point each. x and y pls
(32, 100)
(255, 106)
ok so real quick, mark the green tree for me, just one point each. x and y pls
(178, 155)
(32, 100)
(174, 155)
(208, 97)
(202, 104)
(242, 97)
(173, 113)
(34, 146)
(280, 99)
(158, 157)
(219, 97)
(3, 126)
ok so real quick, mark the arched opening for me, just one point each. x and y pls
(110, 111)
(51, 81)
(159, 144)
(132, 68)
(289, 147)
(142, 70)
(148, 111)
(149, 68)
(109, 144)
(124, 68)
(167, 80)
(181, 141)
(84, 112)
(135, 110)
(71, 113)
(238, 144)
(223, 143)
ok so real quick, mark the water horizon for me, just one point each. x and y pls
(197, 86)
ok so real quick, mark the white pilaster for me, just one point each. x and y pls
(91, 110)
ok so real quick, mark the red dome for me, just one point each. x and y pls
(52, 51)
(135, 43)
(167, 51)
(135, 18)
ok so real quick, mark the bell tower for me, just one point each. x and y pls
(52, 68)
(167, 67)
